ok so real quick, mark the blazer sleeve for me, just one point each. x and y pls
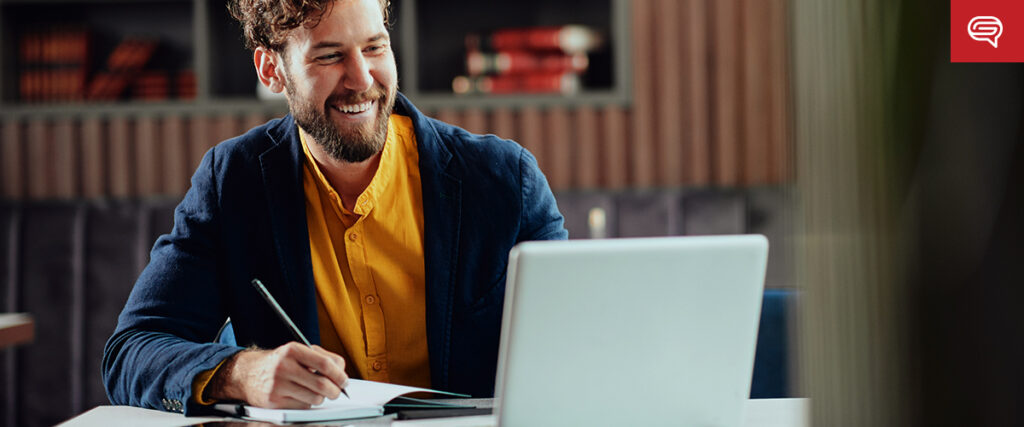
(540, 217)
(163, 335)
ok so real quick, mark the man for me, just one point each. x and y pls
(383, 233)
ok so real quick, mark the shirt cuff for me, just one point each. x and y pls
(201, 381)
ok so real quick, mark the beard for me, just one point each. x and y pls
(356, 144)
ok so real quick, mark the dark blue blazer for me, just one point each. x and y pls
(244, 217)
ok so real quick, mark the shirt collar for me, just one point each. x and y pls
(386, 169)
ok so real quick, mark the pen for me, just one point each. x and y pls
(287, 320)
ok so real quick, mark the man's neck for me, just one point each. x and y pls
(348, 179)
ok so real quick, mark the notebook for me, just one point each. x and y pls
(652, 331)
(366, 399)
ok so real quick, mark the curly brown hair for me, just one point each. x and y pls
(266, 23)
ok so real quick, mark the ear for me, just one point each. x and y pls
(269, 68)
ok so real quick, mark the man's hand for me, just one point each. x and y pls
(280, 378)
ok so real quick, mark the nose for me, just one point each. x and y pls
(357, 74)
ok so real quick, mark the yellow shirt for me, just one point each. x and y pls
(368, 268)
(368, 265)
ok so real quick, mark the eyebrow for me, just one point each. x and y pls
(328, 44)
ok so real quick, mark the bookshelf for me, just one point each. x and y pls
(106, 25)
(432, 43)
(694, 94)
(200, 37)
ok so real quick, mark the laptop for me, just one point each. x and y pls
(621, 332)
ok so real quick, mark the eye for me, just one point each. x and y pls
(378, 48)
(331, 57)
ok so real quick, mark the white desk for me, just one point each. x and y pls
(15, 329)
(760, 413)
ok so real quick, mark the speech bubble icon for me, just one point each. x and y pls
(985, 29)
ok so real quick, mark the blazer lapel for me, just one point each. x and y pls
(442, 209)
(281, 167)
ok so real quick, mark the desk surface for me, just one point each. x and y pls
(760, 413)
(15, 328)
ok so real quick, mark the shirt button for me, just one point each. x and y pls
(370, 299)
(377, 365)
(353, 236)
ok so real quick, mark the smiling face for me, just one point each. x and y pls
(340, 79)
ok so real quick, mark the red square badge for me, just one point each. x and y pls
(986, 30)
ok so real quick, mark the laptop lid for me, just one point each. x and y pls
(630, 331)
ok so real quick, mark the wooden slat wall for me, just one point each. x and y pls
(710, 107)
(641, 145)
(94, 151)
(696, 101)
(94, 156)
(40, 168)
(782, 160)
(727, 98)
(174, 154)
(120, 176)
(667, 68)
(12, 159)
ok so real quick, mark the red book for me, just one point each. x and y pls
(566, 38)
(151, 85)
(131, 54)
(521, 62)
(53, 64)
(186, 84)
(123, 64)
(561, 83)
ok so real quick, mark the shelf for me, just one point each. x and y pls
(432, 46)
(108, 23)
(490, 102)
(240, 105)
(428, 38)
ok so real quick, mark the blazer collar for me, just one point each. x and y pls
(442, 210)
(281, 168)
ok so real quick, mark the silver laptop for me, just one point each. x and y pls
(617, 332)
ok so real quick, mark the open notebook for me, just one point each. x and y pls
(366, 399)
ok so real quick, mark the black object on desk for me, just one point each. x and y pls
(416, 414)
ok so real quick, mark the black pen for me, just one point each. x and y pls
(287, 320)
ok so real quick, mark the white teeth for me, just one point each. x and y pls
(353, 109)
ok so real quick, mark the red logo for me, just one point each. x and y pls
(986, 30)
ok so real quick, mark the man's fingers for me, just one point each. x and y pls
(315, 383)
(302, 365)
(303, 394)
(326, 363)
(297, 376)
(282, 401)
(336, 370)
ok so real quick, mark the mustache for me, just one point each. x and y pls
(376, 92)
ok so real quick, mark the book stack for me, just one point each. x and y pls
(122, 67)
(186, 84)
(151, 85)
(58, 65)
(53, 64)
(527, 60)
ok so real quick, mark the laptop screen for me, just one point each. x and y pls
(621, 331)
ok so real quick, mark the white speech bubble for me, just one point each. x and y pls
(985, 29)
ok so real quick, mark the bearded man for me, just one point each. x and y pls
(383, 233)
